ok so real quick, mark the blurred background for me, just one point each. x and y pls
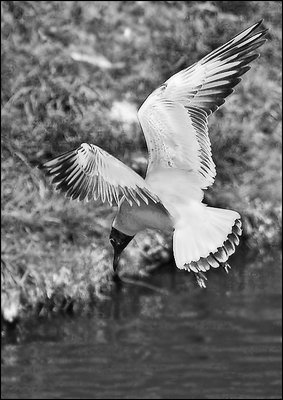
(77, 71)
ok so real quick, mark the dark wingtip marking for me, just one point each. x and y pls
(221, 255)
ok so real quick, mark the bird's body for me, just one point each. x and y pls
(174, 119)
(166, 213)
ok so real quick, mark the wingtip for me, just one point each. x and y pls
(260, 24)
(253, 27)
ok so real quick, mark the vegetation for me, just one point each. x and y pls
(76, 72)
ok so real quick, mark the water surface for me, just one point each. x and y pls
(223, 342)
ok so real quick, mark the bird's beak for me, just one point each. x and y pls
(116, 258)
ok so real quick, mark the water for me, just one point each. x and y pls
(223, 342)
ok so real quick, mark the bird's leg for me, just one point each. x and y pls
(201, 278)
(226, 266)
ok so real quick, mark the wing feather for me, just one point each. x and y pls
(89, 172)
(174, 118)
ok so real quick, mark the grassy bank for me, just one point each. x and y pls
(76, 72)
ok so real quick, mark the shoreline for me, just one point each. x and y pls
(27, 300)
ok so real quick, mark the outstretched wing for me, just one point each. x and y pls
(174, 117)
(89, 172)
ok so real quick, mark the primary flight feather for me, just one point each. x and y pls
(174, 119)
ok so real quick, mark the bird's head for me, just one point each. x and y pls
(119, 241)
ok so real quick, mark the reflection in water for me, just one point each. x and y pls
(222, 342)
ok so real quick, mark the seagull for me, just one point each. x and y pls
(174, 120)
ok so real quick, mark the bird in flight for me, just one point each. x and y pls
(174, 120)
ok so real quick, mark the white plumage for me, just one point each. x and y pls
(174, 119)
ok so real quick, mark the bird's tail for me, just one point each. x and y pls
(206, 238)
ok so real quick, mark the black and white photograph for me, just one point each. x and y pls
(141, 199)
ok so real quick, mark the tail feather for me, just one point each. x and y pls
(207, 239)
